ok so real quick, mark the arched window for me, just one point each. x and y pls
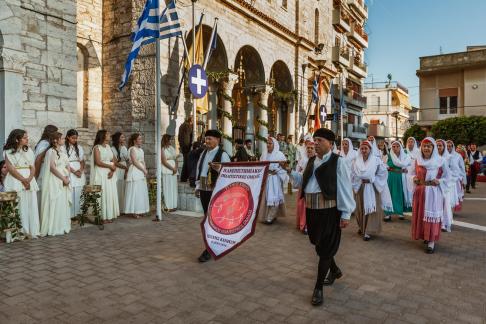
(82, 87)
(316, 26)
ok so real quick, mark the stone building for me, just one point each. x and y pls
(61, 62)
(388, 110)
(452, 85)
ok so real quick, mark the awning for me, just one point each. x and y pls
(400, 99)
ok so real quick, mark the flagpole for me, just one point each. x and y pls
(194, 118)
(341, 105)
(211, 40)
(158, 137)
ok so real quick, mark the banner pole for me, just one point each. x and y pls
(211, 40)
(194, 114)
(158, 137)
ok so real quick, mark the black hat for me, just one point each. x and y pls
(213, 132)
(239, 141)
(325, 133)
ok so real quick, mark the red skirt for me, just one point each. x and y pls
(422, 230)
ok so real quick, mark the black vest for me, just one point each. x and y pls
(326, 176)
(213, 173)
(475, 155)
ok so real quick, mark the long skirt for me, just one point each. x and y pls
(395, 185)
(29, 212)
(120, 188)
(136, 197)
(371, 223)
(169, 187)
(323, 227)
(422, 230)
(56, 210)
(300, 219)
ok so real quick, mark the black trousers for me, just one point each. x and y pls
(185, 170)
(471, 180)
(205, 197)
(323, 227)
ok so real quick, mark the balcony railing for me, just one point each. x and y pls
(360, 7)
(360, 31)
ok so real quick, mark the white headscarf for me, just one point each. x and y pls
(370, 170)
(403, 161)
(275, 195)
(446, 156)
(415, 151)
(352, 153)
(457, 164)
(375, 150)
(435, 160)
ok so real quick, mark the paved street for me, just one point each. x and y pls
(136, 271)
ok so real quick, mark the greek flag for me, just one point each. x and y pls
(315, 91)
(147, 31)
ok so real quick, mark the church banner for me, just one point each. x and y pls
(234, 206)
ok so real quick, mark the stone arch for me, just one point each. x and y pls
(279, 118)
(218, 62)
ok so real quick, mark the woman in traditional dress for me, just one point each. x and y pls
(75, 155)
(398, 164)
(412, 148)
(348, 153)
(40, 153)
(369, 180)
(56, 193)
(274, 197)
(428, 181)
(3, 174)
(120, 152)
(136, 191)
(310, 152)
(169, 173)
(103, 174)
(458, 172)
(20, 161)
(450, 194)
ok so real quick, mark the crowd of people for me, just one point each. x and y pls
(50, 178)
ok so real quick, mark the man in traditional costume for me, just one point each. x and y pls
(274, 204)
(475, 157)
(398, 164)
(240, 154)
(326, 186)
(428, 181)
(208, 168)
(372, 196)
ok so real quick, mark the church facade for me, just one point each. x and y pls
(61, 63)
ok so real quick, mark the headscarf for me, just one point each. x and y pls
(374, 149)
(403, 161)
(435, 160)
(369, 170)
(275, 155)
(352, 153)
(446, 156)
(415, 151)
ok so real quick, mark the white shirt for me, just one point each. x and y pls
(345, 199)
(471, 158)
(207, 159)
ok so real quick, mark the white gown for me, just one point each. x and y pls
(77, 184)
(56, 198)
(169, 179)
(120, 175)
(110, 208)
(28, 206)
(136, 191)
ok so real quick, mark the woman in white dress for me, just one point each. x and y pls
(274, 199)
(3, 174)
(136, 191)
(412, 148)
(75, 155)
(348, 153)
(56, 193)
(169, 173)
(20, 161)
(40, 153)
(119, 149)
(103, 174)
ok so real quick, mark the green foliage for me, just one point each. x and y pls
(462, 130)
(90, 199)
(10, 219)
(416, 132)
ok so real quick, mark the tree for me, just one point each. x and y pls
(416, 132)
(462, 130)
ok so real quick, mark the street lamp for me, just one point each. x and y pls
(396, 114)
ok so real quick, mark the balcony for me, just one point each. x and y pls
(378, 131)
(359, 68)
(359, 7)
(357, 132)
(341, 55)
(350, 96)
(359, 36)
(340, 20)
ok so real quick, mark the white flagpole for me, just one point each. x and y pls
(194, 114)
(158, 136)
(211, 40)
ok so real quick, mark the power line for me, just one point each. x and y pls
(431, 108)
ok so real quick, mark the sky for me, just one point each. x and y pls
(401, 31)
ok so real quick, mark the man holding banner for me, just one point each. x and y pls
(326, 187)
(207, 172)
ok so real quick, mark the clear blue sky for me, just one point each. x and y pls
(401, 31)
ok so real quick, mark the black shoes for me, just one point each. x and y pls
(332, 277)
(204, 257)
(387, 219)
(430, 250)
(317, 297)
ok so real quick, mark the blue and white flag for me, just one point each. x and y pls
(315, 91)
(151, 26)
